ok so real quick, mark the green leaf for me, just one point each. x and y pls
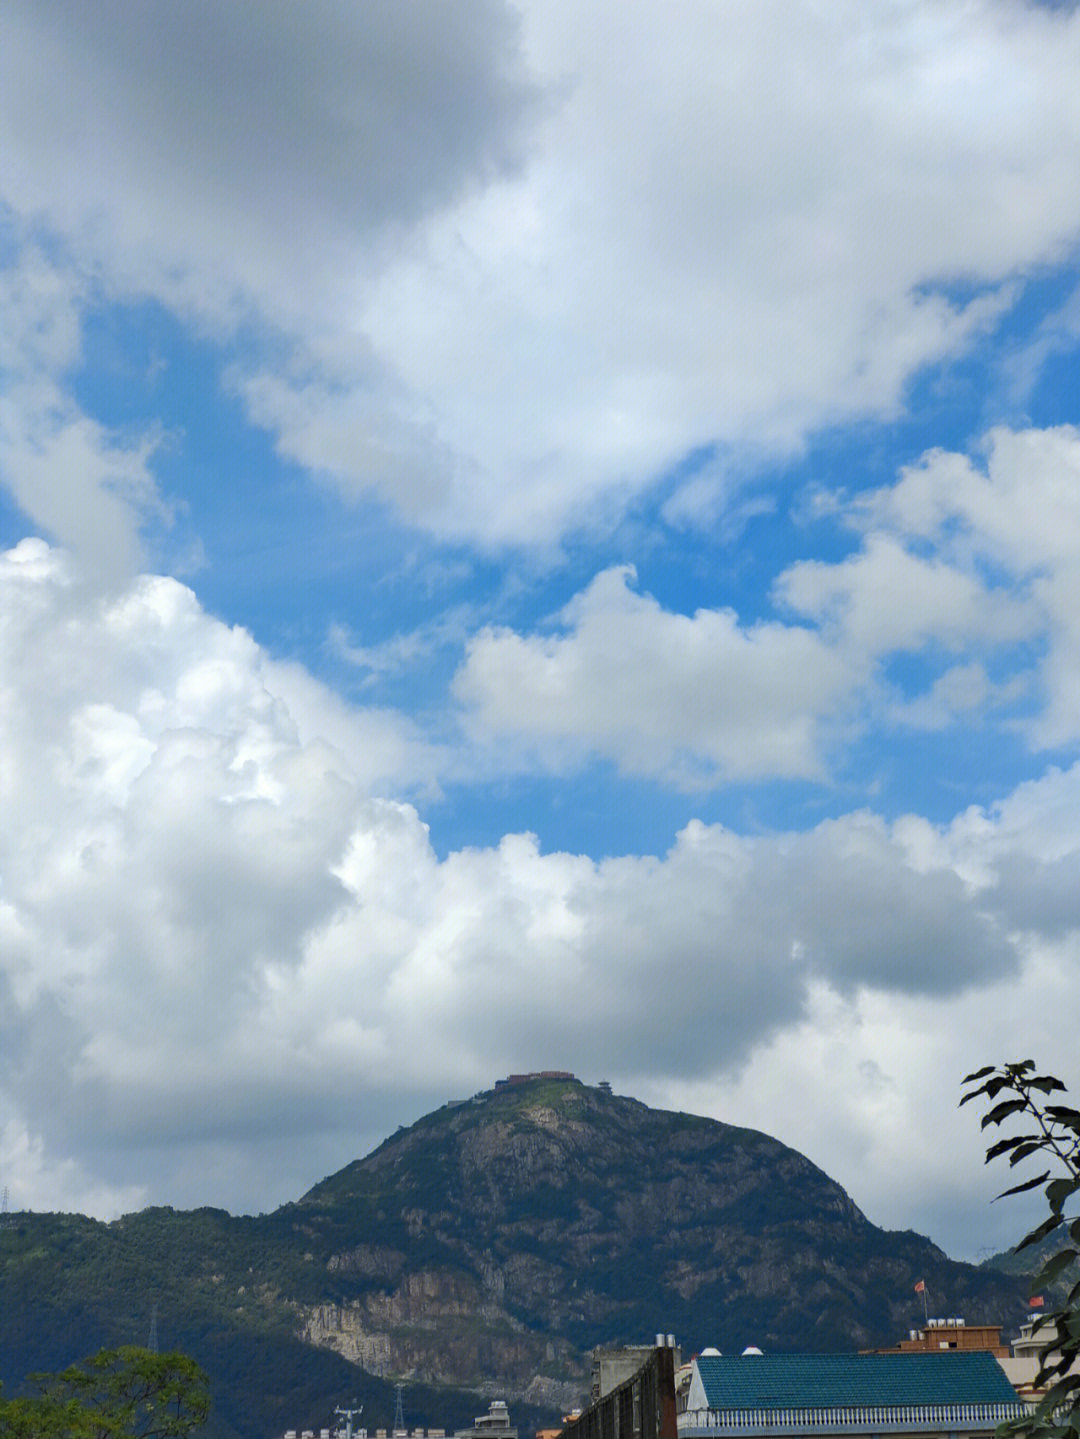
(1054, 1266)
(1046, 1083)
(1003, 1110)
(1002, 1146)
(990, 1088)
(1027, 1184)
(979, 1074)
(1058, 1190)
(1040, 1232)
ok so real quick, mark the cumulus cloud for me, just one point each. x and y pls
(692, 699)
(516, 265)
(967, 562)
(733, 229)
(1013, 512)
(248, 168)
(152, 772)
(868, 1086)
(73, 477)
(221, 941)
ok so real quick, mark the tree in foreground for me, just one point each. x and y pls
(126, 1393)
(1019, 1094)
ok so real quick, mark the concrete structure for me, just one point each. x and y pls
(951, 1334)
(941, 1393)
(1022, 1365)
(613, 1366)
(641, 1407)
(495, 1424)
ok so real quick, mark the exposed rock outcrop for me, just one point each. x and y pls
(495, 1242)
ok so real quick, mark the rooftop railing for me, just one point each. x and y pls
(831, 1418)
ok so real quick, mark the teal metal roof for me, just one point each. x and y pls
(810, 1381)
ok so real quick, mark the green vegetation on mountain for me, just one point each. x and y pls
(490, 1245)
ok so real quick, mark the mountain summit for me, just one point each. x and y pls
(508, 1234)
(489, 1246)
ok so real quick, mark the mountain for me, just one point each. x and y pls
(489, 1246)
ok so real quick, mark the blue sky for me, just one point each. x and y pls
(534, 540)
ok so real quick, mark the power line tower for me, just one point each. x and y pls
(399, 1415)
(5, 1221)
(152, 1342)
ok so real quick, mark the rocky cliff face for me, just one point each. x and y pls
(496, 1241)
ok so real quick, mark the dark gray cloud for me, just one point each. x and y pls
(1039, 895)
(246, 138)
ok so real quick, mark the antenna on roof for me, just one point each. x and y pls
(348, 1415)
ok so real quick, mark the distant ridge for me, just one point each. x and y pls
(489, 1246)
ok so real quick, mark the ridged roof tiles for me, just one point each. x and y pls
(810, 1381)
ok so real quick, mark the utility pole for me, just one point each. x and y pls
(347, 1415)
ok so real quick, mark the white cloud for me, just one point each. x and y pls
(86, 486)
(968, 565)
(964, 690)
(691, 699)
(734, 229)
(1016, 515)
(885, 599)
(250, 168)
(515, 267)
(219, 941)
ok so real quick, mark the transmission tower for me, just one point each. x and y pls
(5, 1222)
(399, 1416)
(152, 1342)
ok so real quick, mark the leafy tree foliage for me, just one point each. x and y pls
(126, 1393)
(1052, 1132)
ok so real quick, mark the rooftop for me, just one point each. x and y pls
(809, 1381)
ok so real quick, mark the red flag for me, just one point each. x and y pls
(920, 1288)
(1035, 1302)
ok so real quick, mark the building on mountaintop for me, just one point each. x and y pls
(513, 1080)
